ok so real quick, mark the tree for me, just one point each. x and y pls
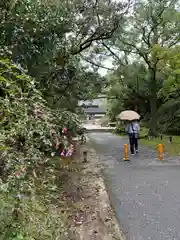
(41, 80)
(168, 113)
(38, 29)
(46, 37)
(128, 89)
(151, 23)
(64, 87)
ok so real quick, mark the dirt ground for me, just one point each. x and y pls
(95, 218)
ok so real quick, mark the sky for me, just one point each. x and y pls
(109, 60)
(106, 63)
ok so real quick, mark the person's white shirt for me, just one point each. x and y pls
(133, 127)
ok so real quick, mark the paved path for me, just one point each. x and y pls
(144, 193)
(90, 126)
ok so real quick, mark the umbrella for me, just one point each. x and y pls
(128, 115)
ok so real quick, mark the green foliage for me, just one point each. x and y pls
(120, 128)
(25, 118)
(147, 54)
(168, 113)
(45, 38)
(151, 26)
(38, 220)
(129, 92)
(25, 146)
(170, 64)
(133, 92)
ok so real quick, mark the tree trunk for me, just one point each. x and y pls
(153, 80)
(153, 102)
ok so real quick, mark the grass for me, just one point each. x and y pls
(172, 148)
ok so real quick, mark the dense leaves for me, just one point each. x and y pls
(146, 47)
(42, 77)
(25, 144)
(46, 36)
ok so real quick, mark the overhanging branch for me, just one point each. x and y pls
(96, 64)
(101, 32)
(144, 56)
(95, 37)
(112, 52)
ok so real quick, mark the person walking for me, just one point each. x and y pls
(132, 130)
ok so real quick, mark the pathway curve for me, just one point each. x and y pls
(144, 192)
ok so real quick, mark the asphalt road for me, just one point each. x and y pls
(144, 193)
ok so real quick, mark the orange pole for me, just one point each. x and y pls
(126, 158)
(160, 151)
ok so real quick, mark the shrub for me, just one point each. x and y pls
(25, 146)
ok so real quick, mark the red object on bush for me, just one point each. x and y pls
(64, 130)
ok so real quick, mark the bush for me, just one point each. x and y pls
(25, 146)
(120, 129)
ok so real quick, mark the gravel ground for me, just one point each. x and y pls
(144, 193)
(95, 219)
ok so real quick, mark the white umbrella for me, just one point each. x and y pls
(128, 115)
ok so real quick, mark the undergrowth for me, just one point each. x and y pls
(32, 206)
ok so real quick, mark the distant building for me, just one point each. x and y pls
(94, 112)
(92, 109)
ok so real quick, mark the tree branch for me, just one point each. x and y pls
(109, 49)
(144, 56)
(156, 23)
(147, 41)
(96, 64)
(173, 43)
(95, 37)
(103, 36)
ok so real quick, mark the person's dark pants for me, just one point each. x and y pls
(133, 143)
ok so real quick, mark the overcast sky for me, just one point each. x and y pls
(106, 63)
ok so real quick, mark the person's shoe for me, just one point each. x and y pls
(137, 151)
(132, 154)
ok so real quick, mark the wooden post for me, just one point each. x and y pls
(85, 157)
